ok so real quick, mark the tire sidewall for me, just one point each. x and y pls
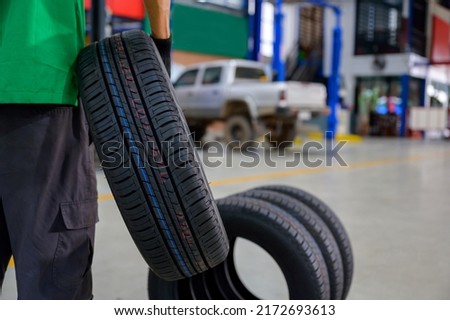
(281, 246)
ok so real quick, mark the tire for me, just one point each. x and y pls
(331, 220)
(318, 230)
(223, 277)
(286, 137)
(149, 160)
(239, 131)
(275, 231)
(197, 132)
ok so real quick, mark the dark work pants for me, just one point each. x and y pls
(48, 201)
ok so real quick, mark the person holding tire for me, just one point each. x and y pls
(48, 196)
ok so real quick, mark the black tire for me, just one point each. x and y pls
(318, 230)
(239, 131)
(286, 136)
(149, 160)
(331, 220)
(284, 238)
(197, 132)
(223, 278)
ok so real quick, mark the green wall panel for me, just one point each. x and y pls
(209, 32)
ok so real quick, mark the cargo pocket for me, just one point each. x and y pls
(74, 251)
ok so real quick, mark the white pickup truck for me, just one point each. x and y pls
(239, 92)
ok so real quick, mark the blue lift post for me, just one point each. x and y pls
(255, 15)
(405, 79)
(277, 62)
(333, 80)
(405, 94)
(254, 20)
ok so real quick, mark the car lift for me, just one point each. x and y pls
(255, 15)
(255, 12)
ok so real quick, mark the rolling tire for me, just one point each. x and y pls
(318, 230)
(239, 132)
(283, 237)
(149, 160)
(331, 220)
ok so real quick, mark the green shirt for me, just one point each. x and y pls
(39, 44)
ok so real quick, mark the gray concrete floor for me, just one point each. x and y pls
(393, 199)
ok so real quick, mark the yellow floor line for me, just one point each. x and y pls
(105, 197)
(339, 137)
(305, 171)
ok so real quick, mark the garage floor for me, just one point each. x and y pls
(393, 198)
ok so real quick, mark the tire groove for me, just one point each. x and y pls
(142, 186)
(156, 174)
(134, 72)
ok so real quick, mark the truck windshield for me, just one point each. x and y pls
(248, 73)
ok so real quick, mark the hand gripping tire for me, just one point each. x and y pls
(270, 227)
(329, 217)
(149, 160)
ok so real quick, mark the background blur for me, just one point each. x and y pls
(394, 60)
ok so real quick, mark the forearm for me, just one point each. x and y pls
(159, 15)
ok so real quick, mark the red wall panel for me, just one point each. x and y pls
(440, 48)
(133, 9)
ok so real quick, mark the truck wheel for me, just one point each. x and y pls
(149, 160)
(283, 237)
(197, 132)
(239, 131)
(318, 230)
(285, 137)
(331, 220)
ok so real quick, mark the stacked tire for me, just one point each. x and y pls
(301, 233)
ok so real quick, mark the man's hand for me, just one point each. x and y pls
(159, 14)
(164, 48)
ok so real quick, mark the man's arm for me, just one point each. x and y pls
(159, 14)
